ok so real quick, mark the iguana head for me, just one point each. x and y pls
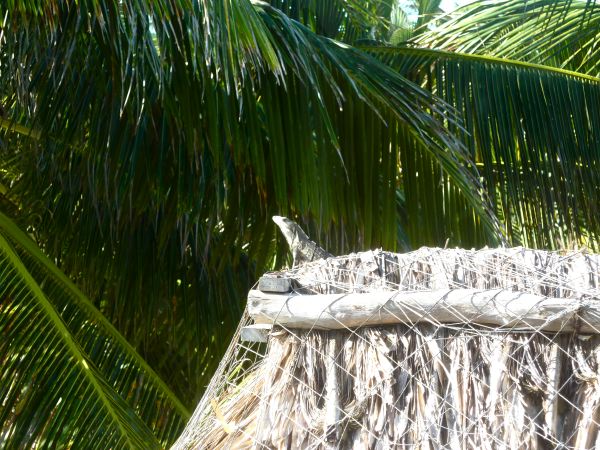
(288, 228)
(302, 248)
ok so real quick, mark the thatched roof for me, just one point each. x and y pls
(422, 384)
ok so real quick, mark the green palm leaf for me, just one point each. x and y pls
(344, 20)
(68, 378)
(532, 131)
(560, 33)
(428, 10)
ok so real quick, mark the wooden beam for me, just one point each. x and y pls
(498, 308)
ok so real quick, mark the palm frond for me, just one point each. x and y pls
(345, 20)
(68, 378)
(533, 133)
(428, 10)
(560, 33)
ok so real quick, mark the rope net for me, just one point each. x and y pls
(514, 362)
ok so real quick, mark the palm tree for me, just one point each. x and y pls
(147, 143)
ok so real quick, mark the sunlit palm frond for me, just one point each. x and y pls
(560, 33)
(427, 10)
(533, 131)
(68, 378)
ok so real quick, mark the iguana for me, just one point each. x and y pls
(303, 249)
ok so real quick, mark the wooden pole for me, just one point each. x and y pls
(497, 308)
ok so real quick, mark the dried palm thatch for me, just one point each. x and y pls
(417, 384)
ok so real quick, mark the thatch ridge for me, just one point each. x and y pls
(550, 273)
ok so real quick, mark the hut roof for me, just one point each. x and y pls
(451, 348)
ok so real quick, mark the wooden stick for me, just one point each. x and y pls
(332, 400)
(498, 308)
